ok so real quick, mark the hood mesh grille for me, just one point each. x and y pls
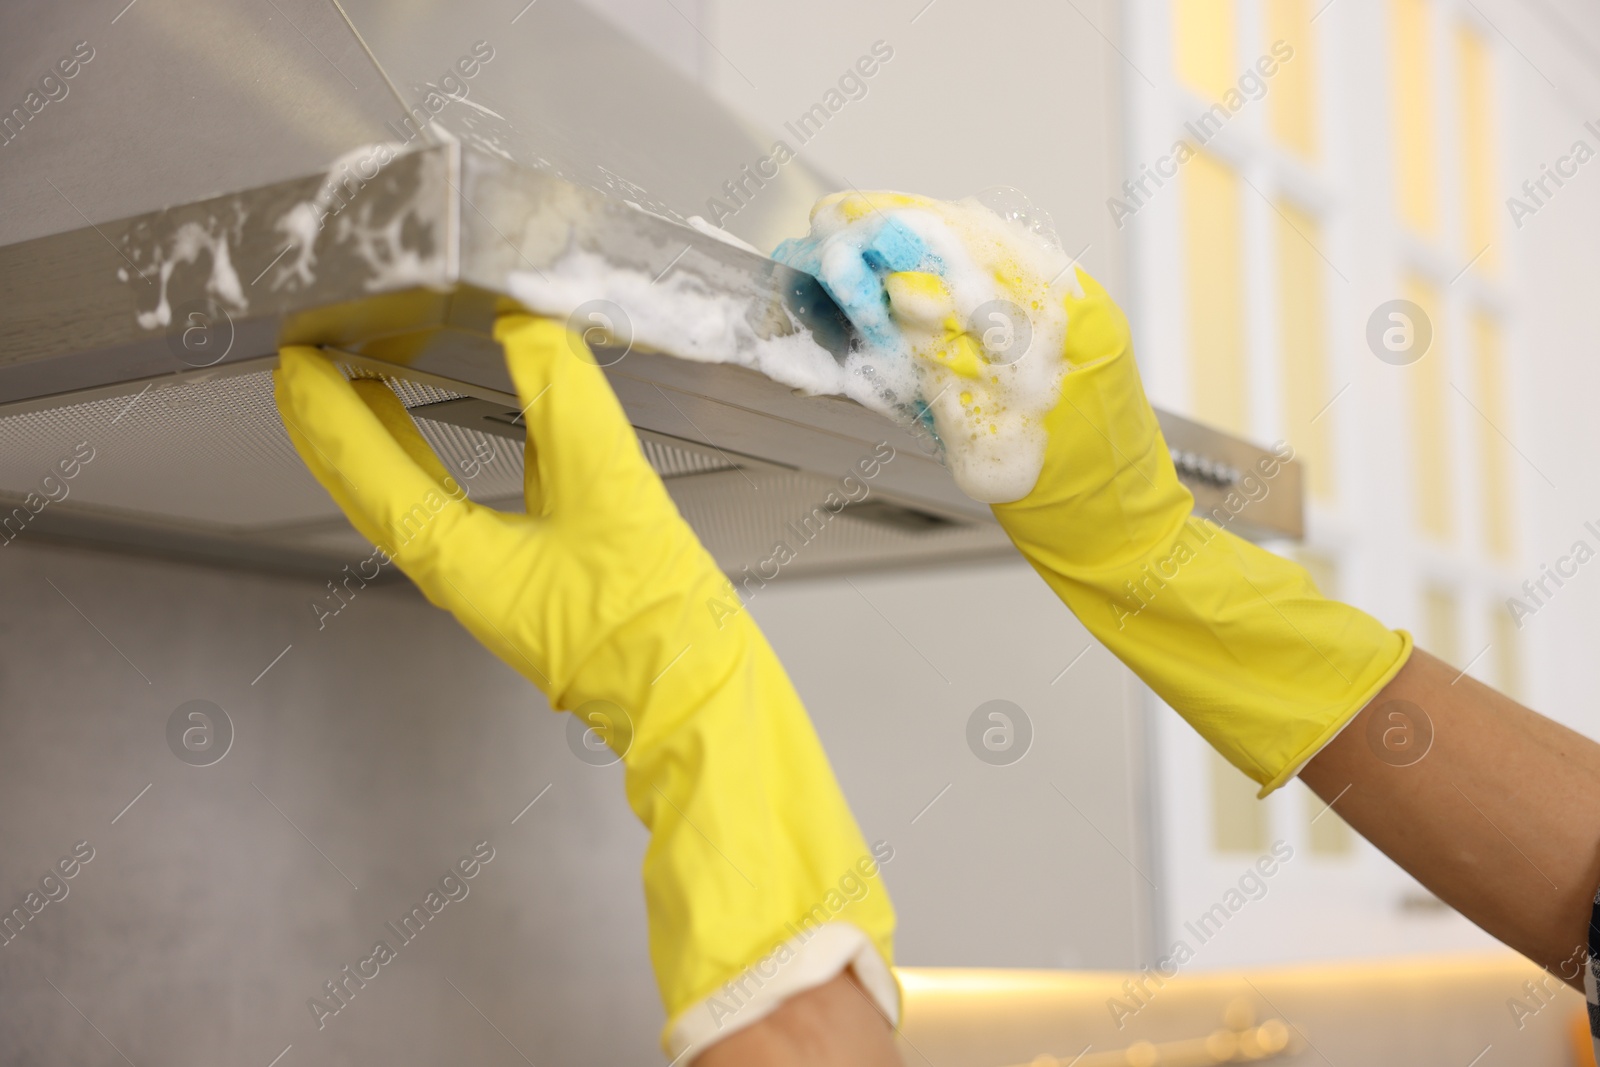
(212, 455)
(211, 452)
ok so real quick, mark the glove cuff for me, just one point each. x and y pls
(1336, 726)
(805, 961)
(1236, 640)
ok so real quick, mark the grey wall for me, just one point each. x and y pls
(378, 751)
(206, 920)
(1036, 863)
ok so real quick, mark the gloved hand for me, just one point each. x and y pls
(603, 597)
(1237, 640)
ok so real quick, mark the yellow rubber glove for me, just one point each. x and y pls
(1237, 640)
(757, 882)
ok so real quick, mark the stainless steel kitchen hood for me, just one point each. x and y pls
(148, 337)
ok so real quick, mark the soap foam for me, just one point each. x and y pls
(378, 238)
(681, 315)
(942, 370)
(935, 361)
(985, 341)
(185, 245)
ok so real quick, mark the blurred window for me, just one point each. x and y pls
(1239, 822)
(1292, 102)
(1442, 626)
(1489, 422)
(1204, 33)
(1214, 272)
(1411, 49)
(1303, 344)
(1477, 147)
(1507, 652)
(1429, 382)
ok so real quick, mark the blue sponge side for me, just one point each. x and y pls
(799, 253)
(852, 265)
(895, 248)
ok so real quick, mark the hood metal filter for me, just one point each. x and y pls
(206, 464)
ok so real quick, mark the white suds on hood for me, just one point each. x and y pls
(185, 245)
(380, 242)
(960, 311)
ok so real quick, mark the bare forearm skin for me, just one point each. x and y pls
(1500, 818)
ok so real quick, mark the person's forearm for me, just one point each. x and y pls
(835, 1024)
(1500, 817)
